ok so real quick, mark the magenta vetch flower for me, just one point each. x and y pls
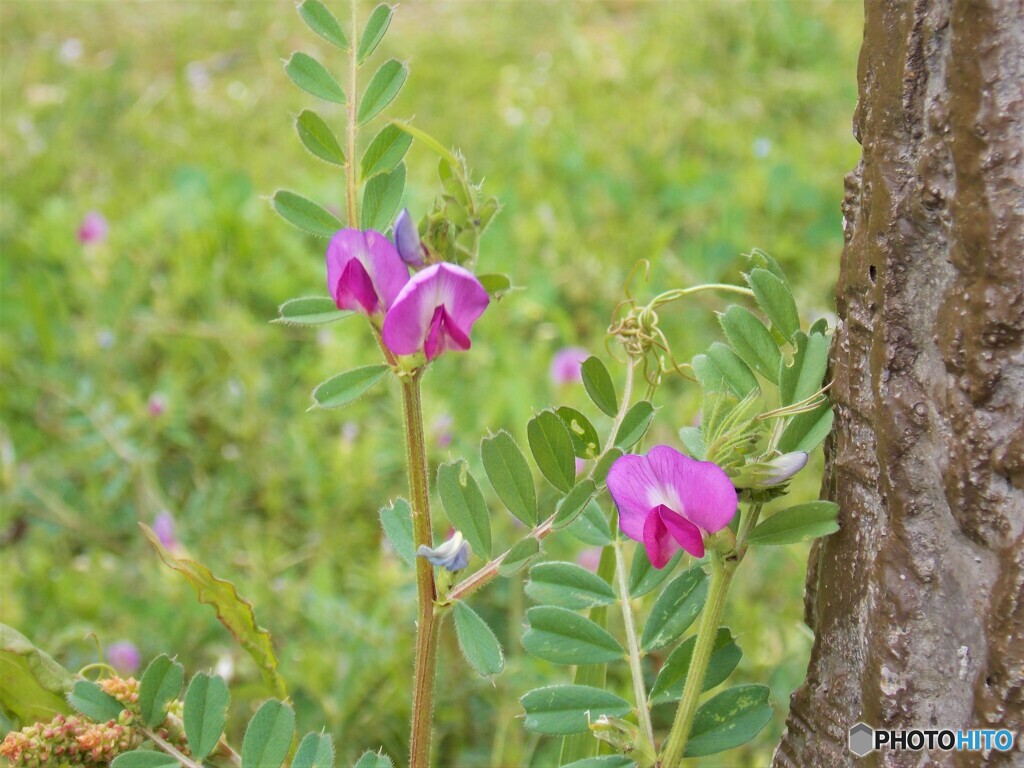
(364, 271)
(124, 657)
(566, 365)
(667, 500)
(93, 228)
(435, 311)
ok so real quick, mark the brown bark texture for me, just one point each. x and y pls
(917, 603)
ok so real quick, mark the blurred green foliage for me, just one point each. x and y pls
(140, 375)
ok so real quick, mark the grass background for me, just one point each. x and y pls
(683, 132)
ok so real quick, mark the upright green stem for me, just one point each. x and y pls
(721, 575)
(350, 132)
(639, 689)
(427, 624)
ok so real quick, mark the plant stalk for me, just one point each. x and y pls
(639, 689)
(721, 575)
(427, 623)
(352, 206)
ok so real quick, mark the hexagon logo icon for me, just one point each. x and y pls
(861, 739)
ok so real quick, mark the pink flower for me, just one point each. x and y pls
(157, 404)
(164, 528)
(93, 228)
(667, 500)
(566, 365)
(124, 657)
(364, 271)
(435, 311)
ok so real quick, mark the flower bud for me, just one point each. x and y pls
(453, 555)
(782, 468)
(407, 239)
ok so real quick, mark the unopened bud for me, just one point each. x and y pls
(453, 555)
(407, 240)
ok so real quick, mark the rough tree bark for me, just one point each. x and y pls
(918, 602)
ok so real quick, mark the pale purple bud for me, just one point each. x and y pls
(157, 404)
(442, 429)
(407, 239)
(124, 657)
(567, 365)
(782, 468)
(93, 228)
(453, 555)
(164, 528)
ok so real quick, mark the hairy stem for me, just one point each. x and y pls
(721, 575)
(427, 624)
(352, 206)
(639, 690)
(170, 749)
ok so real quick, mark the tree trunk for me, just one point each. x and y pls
(917, 603)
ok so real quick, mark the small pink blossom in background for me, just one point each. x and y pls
(349, 432)
(581, 466)
(566, 365)
(157, 404)
(93, 229)
(442, 429)
(164, 528)
(589, 558)
(124, 657)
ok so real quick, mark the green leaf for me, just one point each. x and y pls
(693, 441)
(799, 523)
(312, 77)
(644, 577)
(519, 556)
(634, 425)
(206, 709)
(759, 258)
(509, 475)
(465, 506)
(316, 750)
(385, 151)
(612, 455)
(551, 447)
(806, 430)
(322, 21)
(585, 442)
(775, 300)
(382, 89)
(161, 683)
(804, 377)
(233, 611)
(819, 326)
(561, 636)
(721, 370)
(345, 387)
(305, 214)
(725, 655)
(310, 310)
(591, 527)
(268, 736)
(605, 761)
(496, 285)
(93, 702)
(374, 760)
(396, 520)
(145, 758)
(317, 137)
(574, 503)
(675, 609)
(751, 341)
(568, 585)
(598, 383)
(477, 641)
(730, 719)
(560, 710)
(32, 685)
(374, 31)
(382, 197)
